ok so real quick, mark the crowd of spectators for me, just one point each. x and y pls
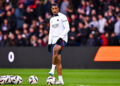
(92, 22)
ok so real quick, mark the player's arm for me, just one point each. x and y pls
(66, 30)
(66, 26)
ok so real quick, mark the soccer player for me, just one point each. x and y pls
(58, 37)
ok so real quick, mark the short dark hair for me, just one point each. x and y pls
(55, 4)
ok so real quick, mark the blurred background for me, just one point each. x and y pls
(94, 36)
(92, 22)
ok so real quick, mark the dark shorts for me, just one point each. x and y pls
(62, 44)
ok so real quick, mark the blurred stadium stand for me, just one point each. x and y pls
(93, 22)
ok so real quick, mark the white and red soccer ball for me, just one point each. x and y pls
(2, 81)
(16, 79)
(51, 80)
(33, 79)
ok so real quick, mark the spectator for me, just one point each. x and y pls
(47, 15)
(110, 16)
(5, 26)
(101, 6)
(109, 26)
(40, 42)
(40, 8)
(13, 2)
(40, 20)
(94, 22)
(28, 15)
(117, 26)
(5, 40)
(70, 8)
(25, 37)
(73, 21)
(93, 12)
(34, 26)
(82, 33)
(20, 40)
(96, 34)
(101, 23)
(17, 32)
(103, 39)
(88, 8)
(7, 7)
(31, 32)
(41, 34)
(33, 41)
(2, 13)
(86, 20)
(19, 13)
(90, 40)
(12, 40)
(72, 37)
(47, 24)
(45, 39)
(82, 7)
(11, 20)
(81, 18)
(117, 10)
(64, 6)
(25, 34)
(25, 26)
(113, 41)
(48, 5)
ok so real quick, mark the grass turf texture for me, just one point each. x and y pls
(72, 77)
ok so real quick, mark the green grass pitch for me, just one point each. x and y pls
(72, 77)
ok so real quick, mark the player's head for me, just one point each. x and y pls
(55, 9)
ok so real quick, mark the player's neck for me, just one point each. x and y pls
(55, 14)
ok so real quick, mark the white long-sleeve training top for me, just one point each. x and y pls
(59, 28)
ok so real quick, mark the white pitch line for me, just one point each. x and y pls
(85, 85)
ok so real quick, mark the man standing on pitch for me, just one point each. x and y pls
(58, 37)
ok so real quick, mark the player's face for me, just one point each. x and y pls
(55, 10)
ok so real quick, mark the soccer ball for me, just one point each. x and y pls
(51, 80)
(7, 79)
(16, 79)
(33, 79)
(2, 81)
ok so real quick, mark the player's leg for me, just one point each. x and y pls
(59, 65)
(59, 70)
(53, 65)
(57, 54)
(57, 61)
(55, 50)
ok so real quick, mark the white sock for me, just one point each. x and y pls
(60, 78)
(53, 68)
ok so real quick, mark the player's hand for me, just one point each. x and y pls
(49, 48)
(59, 41)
